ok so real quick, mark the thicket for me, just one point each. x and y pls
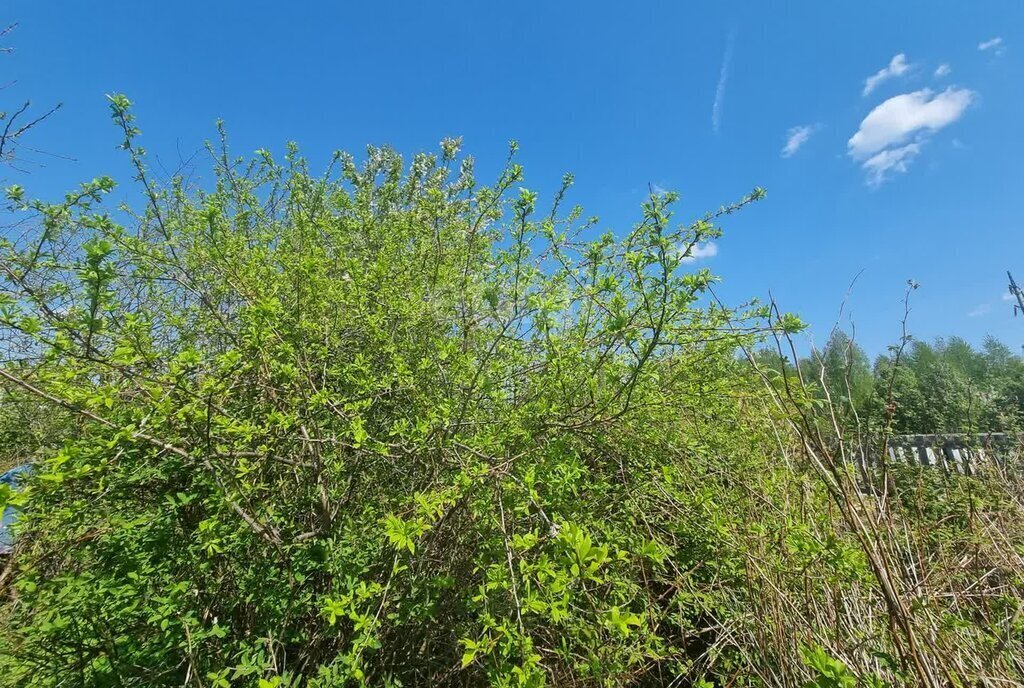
(384, 425)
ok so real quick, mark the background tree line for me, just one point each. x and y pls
(946, 386)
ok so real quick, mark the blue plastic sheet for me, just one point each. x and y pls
(13, 479)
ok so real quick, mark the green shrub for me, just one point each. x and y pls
(384, 425)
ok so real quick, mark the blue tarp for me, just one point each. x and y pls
(11, 478)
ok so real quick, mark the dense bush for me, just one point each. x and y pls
(387, 426)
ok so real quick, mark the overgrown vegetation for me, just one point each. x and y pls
(387, 426)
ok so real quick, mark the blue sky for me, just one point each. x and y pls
(890, 136)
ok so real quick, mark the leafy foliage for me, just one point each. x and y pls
(381, 425)
(388, 426)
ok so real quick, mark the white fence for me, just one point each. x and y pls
(960, 453)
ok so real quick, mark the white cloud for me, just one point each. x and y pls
(796, 137)
(942, 70)
(979, 310)
(881, 165)
(708, 249)
(899, 117)
(1007, 296)
(892, 134)
(723, 78)
(995, 44)
(897, 66)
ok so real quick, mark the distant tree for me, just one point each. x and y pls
(768, 358)
(956, 352)
(949, 386)
(897, 397)
(841, 372)
(999, 359)
(847, 372)
(950, 402)
(1005, 370)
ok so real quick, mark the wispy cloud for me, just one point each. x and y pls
(892, 134)
(980, 310)
(796, 137)
(708, 249)
(880, 165)
(723, 79)
(1007, 296)
(942, 70)
(993, 44)
(897, 66)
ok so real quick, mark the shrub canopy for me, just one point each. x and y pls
(383, 423)
(387, 426)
